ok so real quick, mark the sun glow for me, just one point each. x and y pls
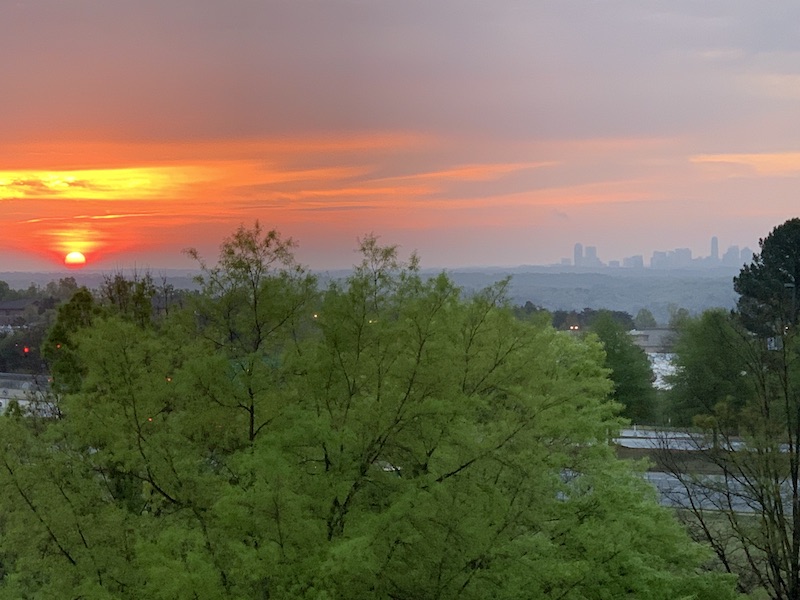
(138, 183)
(75, 259)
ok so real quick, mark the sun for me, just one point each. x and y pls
(75, 260)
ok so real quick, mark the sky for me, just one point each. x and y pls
(476, 133)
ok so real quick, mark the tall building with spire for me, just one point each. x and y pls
(714, 249)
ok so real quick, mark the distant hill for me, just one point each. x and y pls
(552, 288)
(180, 278)
(625, 290)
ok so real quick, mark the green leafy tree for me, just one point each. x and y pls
(715, 362)
(60, 345)
(630, 369)
(63, 289)
(744, 502)
(131, 297)
(678, 315)
(644, 319)
(256, 303)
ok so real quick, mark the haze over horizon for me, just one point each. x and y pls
(479, 134)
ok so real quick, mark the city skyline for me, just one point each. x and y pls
(734, 256)
(477, 134)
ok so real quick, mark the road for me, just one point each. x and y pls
(710, 493)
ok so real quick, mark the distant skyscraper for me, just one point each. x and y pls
(578, 255)
(681, 257)
(633, 262)
(591, 260)
(732, 257)
(714, 249)
(658, 260)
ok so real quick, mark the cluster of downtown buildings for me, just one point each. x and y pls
(680, 258)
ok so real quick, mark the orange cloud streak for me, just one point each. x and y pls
(95, 184)
(109, 201)
(768, 163)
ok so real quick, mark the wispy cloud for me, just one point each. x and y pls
(766, 164)
(472, 172)
(92, 184)
(140, 215)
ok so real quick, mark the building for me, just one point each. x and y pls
(732, 257)
(29, 392)
(659, 340)
(578, 255)
(633, 262)
(659, 260)
(13, 312)
(591, 260)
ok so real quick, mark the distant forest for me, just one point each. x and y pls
(657, 291)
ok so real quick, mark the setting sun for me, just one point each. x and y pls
(75, 259)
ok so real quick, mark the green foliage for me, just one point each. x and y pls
(678, 316)
(60, 345)
(644, 319)
(630, 369)
(130, 297)
(400, 441)
(257, 302)
(714, 369)
(530, 311)
(53, 293)
(767, 286)
(737, 381)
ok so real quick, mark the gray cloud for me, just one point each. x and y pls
(207, 69)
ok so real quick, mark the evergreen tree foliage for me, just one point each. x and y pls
(767, 286)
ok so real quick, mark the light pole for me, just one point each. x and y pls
(793, 315)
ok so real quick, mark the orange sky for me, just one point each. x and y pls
(478, 136)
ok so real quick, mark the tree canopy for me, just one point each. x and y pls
(387, 437)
